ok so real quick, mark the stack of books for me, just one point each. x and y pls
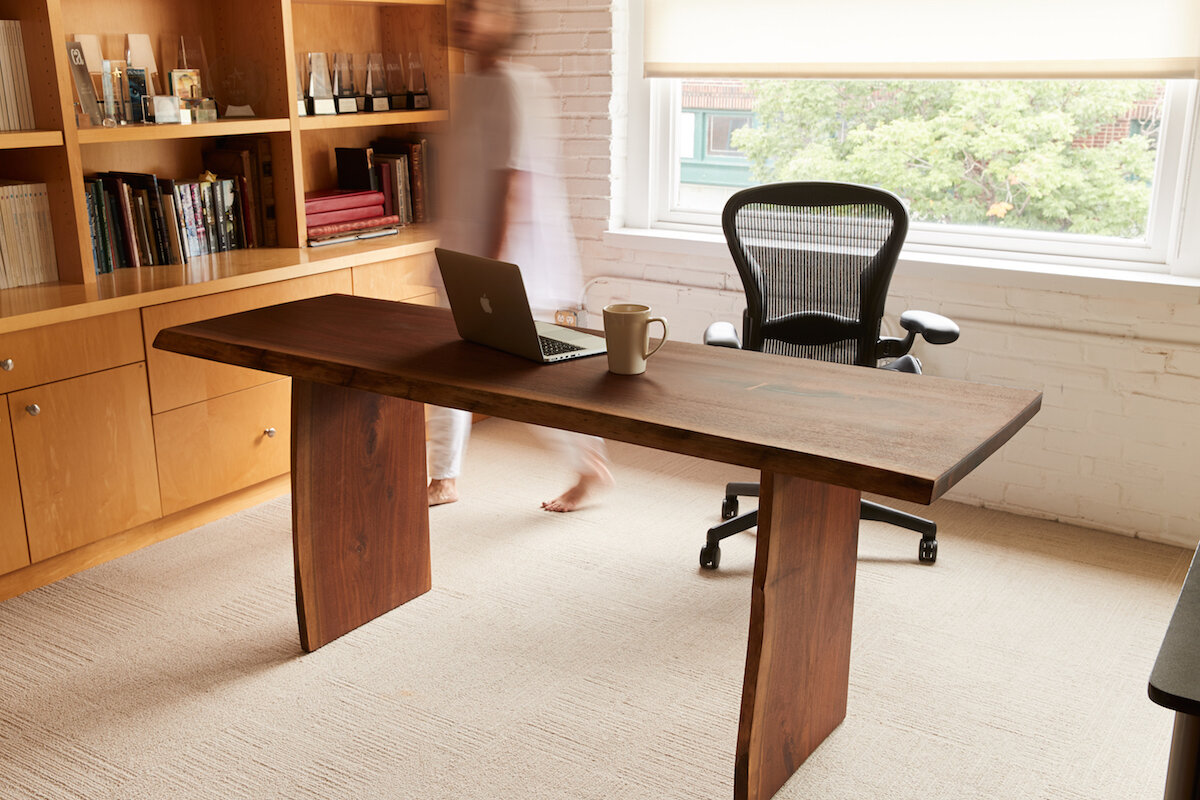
(26, 239)
(16, 104)
(342, 215)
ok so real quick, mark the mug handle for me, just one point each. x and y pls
(662, 322)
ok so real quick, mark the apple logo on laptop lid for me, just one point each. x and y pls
(485, 304)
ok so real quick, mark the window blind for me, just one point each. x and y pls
(923, 38)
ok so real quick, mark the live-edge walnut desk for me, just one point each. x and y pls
(819, 433)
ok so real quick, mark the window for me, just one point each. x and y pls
(1082, 168)
(1076, 144)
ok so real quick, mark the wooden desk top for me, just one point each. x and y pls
(906, 436)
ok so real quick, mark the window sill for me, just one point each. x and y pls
(1130, 284)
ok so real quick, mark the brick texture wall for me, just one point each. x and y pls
(1117, 444)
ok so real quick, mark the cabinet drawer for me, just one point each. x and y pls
(85, 455)
(66, 349)
(217, 446)
(14, 549)
(177, 380)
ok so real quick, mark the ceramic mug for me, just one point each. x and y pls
(627, 332)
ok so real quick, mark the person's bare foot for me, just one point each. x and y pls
(443, 490)
(582, 491)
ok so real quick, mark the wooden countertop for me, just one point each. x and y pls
(905, 436)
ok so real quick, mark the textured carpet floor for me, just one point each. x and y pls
(585, 656)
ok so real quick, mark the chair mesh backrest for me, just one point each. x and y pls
(815, 259)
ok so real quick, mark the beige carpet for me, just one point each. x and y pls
(585, 656)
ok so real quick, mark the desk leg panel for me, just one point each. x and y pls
(801, 613)
(360, 517)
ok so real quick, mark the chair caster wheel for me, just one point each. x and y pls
(928, 551)
(729, 508)
(710, 556)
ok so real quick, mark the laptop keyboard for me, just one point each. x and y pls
(554, 347)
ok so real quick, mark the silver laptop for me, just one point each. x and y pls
(491, 308)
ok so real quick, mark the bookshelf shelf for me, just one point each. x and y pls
(13, 140)
(366, 120)
(144, 133)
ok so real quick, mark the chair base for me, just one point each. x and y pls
(710, 554)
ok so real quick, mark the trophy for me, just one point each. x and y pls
(418, 92)
(376, 88)
(301, 74)
(397, 92)
(344, 91)
(112, 83)
(320, 87)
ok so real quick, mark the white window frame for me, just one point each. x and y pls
(1172, 246)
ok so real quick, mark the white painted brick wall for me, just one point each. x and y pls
(1117, 444)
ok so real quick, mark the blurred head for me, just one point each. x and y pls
(485, 27)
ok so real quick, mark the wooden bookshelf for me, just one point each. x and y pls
(141, 132)
(15, 140)
(61, 456)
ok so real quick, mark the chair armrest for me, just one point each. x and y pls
(935, 328)
(722, 334)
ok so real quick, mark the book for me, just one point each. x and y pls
(352, 236)
(416, 149)
(344, 215)
(16, 102)
(384, 168)
(355, 225)
(334, 199)
(355, 168)
(238, 163)
(157, 230)
(400, 185)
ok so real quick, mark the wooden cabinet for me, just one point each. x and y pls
(214, 447)
(130, 443)
(85, 452)
(14, 549)
(178, 380)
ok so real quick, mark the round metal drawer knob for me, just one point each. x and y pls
(6, 365)
(270, 432)
(33, 409)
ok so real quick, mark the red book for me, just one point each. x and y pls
(335, 199)
(356, 225)
(343, 215)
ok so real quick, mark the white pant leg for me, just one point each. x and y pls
(449, 429)
(581, 452)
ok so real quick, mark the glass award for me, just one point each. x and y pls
(320, 86)
(396, 90)
(344, 91)
(301, 74)
(113, 84)
(418, 92)
(375, 86)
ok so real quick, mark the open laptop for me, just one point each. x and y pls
(491, 308)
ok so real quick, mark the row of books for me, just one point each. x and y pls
(26, 236)
(137, 219)
(16, 104)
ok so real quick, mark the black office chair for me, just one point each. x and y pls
(816, 259)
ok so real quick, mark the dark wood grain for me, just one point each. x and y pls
(360, 522)
(905, 436)
(801, 609)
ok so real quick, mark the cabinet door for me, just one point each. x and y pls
(217, 446)
(14, 550)
(85, 454)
